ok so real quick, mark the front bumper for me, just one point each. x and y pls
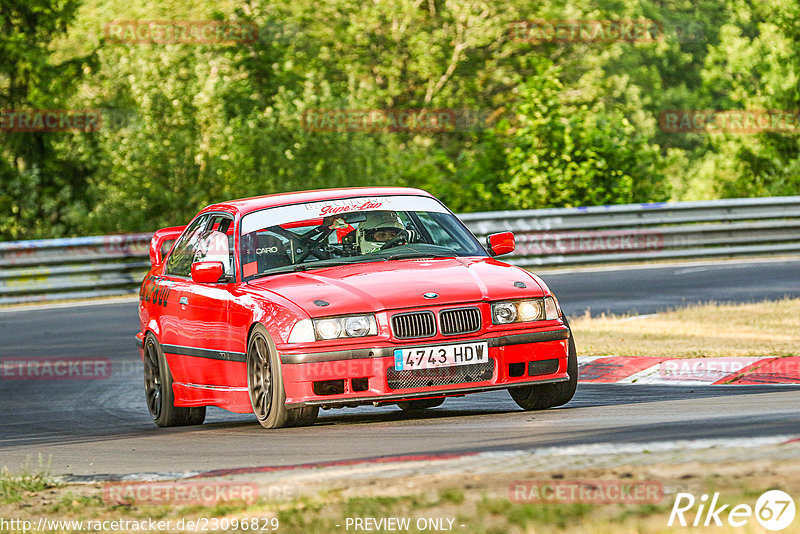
(362, 375)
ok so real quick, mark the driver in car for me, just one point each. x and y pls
(379, 228)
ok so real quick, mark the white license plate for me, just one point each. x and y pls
(441, 356)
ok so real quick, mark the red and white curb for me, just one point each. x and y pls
(689, 371)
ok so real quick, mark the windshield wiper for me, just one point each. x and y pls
(280, 270)
(336, 263)
(413, 255)
(313, 265)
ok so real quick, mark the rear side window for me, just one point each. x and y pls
(180, 260)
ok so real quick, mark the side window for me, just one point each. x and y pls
(216, 243)
(180, 261)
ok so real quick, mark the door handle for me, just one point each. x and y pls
(184, 300)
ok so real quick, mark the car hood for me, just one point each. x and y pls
(397, 284)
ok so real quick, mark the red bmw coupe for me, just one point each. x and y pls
(284, 304)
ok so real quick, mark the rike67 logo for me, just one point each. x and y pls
(774, 510)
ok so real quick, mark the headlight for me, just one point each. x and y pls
(504, 313)
(328, 328)
(308, 330)
(521, 311)
(345, 326)
(529, 310)
(358, 326)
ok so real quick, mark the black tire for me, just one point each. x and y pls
(420, 404)
(265, 385)
(158, 392)
(550, 395)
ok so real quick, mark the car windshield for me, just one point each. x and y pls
(352, 230)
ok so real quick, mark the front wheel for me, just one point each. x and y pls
(546, 396)
(158, 390)
(265, 385)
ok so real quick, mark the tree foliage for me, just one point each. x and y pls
(560, 155)
(42, 186)
(541, 124)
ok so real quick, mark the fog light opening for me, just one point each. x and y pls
(516, 369)
(329, 387)
(542, 367)
(360, 384)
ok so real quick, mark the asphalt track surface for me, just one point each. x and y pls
(95, 427)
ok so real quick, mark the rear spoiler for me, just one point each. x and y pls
(159, 238)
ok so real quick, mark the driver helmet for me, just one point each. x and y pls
(378, 228)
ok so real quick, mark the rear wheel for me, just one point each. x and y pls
(158, 390)
(546, 396)
(420, 404)
(265, 385)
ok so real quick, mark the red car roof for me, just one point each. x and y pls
(246, 205)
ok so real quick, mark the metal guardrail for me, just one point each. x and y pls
(645, 232)
(50, 269)
(80, 267)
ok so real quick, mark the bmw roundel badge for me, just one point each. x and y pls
(430, 295)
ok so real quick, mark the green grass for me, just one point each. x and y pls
(453, 495)
(643, 510)
(14, 487)
(767, 328)
(558, 515)
(488, 515)
(478, 512)
(70, 503)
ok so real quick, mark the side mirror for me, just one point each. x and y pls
(207, 272)
(499, 244)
